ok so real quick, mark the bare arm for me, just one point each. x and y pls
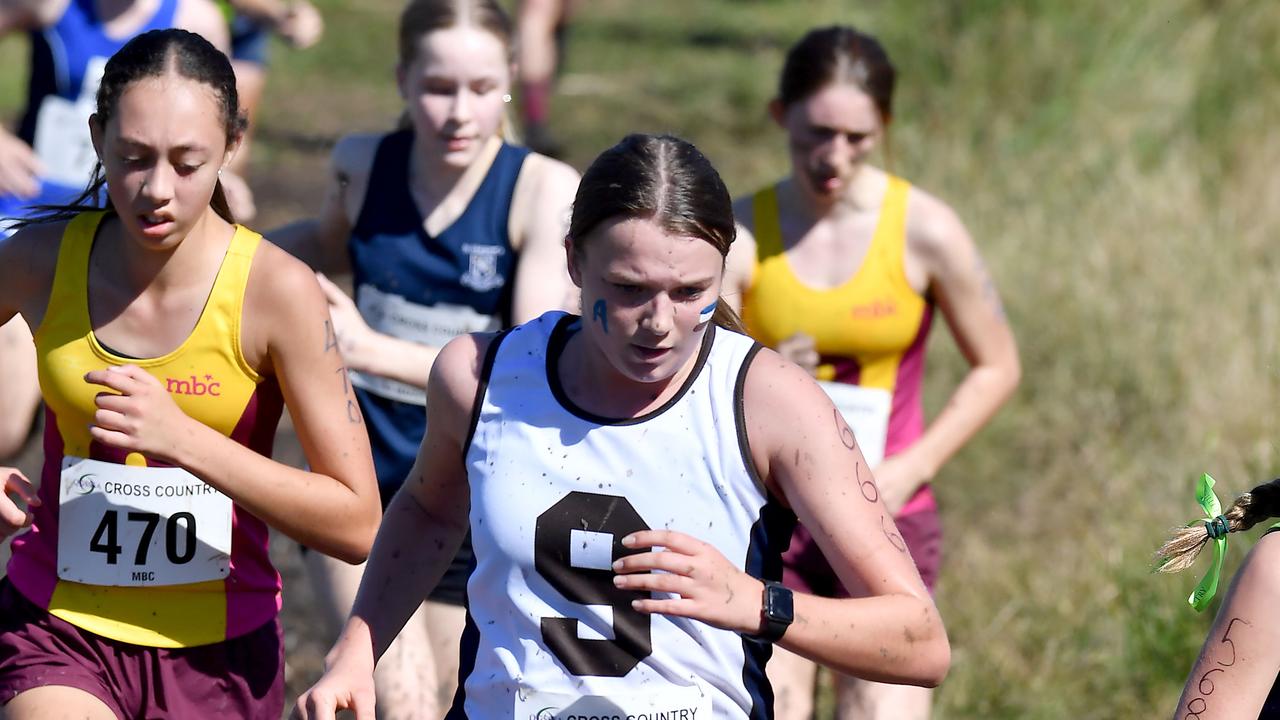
(297, 21)
(422, 529)
(28, 14)
(804, 449)
(806, 453)
(968, 298)
(203, 18)
(540, 220)
(1241, 655)
(20, 169)
(333, 507)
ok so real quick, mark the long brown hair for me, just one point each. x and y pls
(663, 179)
(153, 54)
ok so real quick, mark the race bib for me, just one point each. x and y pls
(62, 140)
(134, 526)
(867, 412)
(433, 326)
(665, 703)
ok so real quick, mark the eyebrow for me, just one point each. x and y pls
(189, 147)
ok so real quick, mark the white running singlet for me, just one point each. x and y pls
(554, 489)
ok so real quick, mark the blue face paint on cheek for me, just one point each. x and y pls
(598, 313)
(707, 313)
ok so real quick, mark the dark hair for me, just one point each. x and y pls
(839, 53)
(152, 54)
(663, 179)
(1180, 550)
(421, 17)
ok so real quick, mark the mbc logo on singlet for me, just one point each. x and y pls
(194, 386)
(875, 309)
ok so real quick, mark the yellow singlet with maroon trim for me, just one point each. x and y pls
(869, 331)
(209, 379)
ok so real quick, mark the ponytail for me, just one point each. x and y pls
(725, 317)
(1180, 551)
(219, 203)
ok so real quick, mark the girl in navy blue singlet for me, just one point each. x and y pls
(446, 229)
(49, 159)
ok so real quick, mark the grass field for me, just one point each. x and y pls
(1116, 163)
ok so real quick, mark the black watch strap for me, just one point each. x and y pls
(776, 611)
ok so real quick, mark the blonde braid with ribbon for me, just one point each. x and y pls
(1182, 549)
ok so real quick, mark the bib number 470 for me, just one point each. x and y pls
(179, 536)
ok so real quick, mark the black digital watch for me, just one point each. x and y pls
(777, 610)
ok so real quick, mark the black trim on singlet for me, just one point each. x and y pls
(555, 348)
(486, 369)
(770, 537)
(468, 648)
(740, 419)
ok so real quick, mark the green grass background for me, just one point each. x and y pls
(1117, 164)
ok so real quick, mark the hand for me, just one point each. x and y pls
(239, 196)
(302, 25)
(347, 684)
(898, 478)
(20, 168)
(13, 518)
(352, 331)
(710, 589)
(801, 350)
(140, 416)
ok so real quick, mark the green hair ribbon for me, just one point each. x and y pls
(1208, 501)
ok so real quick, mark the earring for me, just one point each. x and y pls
(506, 97)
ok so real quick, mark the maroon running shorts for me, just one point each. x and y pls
(238, 678)
(805, 569)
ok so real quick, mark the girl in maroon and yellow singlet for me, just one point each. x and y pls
(168, 341)
(848, 267)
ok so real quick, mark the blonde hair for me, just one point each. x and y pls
(1179, 552)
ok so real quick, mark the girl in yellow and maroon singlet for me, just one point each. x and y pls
(848, 266)
(168, 341)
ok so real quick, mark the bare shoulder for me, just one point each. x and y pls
(782, 405)
(28, 260)
(351, 164)
(203, 18)
(1261, 570)
(455, 378)
(354, 153)
(541, 202)
(547, 171)
(281, 285)
(933, 228)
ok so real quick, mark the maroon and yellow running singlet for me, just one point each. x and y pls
(123, 545)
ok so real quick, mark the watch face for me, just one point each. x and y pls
(777, 605)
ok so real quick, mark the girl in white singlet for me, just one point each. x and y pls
(630, 478)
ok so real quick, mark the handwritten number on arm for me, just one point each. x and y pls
(1206, 685)
(846, 434)
(892, 535)
(868, 488)
(330, 337)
